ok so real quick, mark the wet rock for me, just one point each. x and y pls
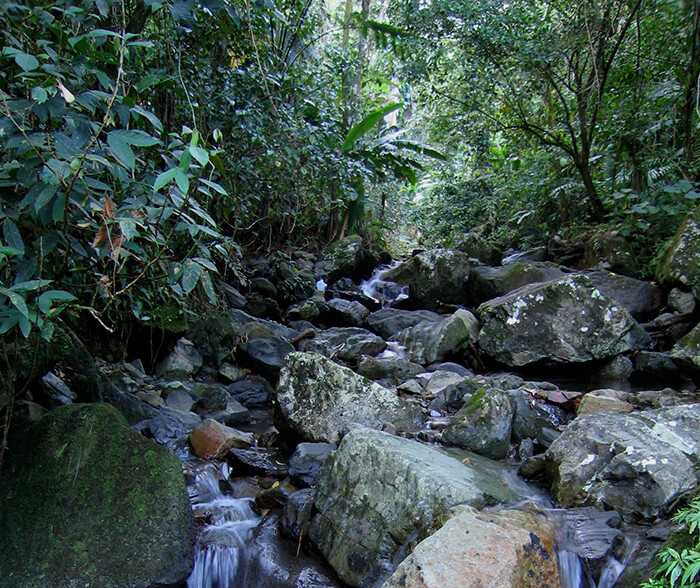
(483, 424)
(507, 548)
(452, 397)
(279, 564)
(533, 416)
(257, 461)
(82, 483)
(320, 400)
(413, 387)
(56, 391)
(612, 251)
(277, 495)
(680, 264)
(448, 366)
(178, 397)
(265, 355)
(486, 283)
(533, 467)
(183, 361)
(366, 514)
(252, 392)
(263, 308)
(344, 258)
(169, 425)
(311, 310)
(297, 514)
(212, 440)
(434, 278)
(345, 343)
(638, 464)
(563, 321)
(474, 245)
(598, 401)
(234, 298)
(346, 313)
(239, 319)
(659, 367)
(307, 460)
(434, 341)
(388, 322)
(440, 380)
(394, 369)
(681, 301)
(687, 351)
(264, 287)
(618, 368)
(639, 298)
(231, 373)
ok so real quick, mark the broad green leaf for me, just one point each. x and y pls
(128, 227)
(201, 155)
(45, 196)
(206, 263)
(121, 149)
(214, 186)
(152, 118)
(164, 178)
(208, 286)
(182, 180)
(366, 125)
(17, 301)
(46, 300)
(40, 95)
(25, 326)
(26, 62)
(174, 273)
(30, 285)
(135, 137)
(12, 236)
(47, 331)
(9, 320)
(190, 276)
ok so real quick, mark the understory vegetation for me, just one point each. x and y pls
(148, 145)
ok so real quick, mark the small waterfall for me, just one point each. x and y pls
(383, 291)
(222, 550)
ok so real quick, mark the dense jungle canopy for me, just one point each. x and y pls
(148, 144)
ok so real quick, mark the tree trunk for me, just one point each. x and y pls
(597, 208)
(687, 130)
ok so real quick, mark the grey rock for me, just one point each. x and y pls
(367, 513)
(394, 369)
(687, 351)
(434, 278)
(297, 514)
(680, 264)
(345, 343)
(231, 373)
(474, 245)
(307, 459)
(320, 400)
(346, 313)
(264, 287)
(483, 424)
(178, 397)
(599, 401)
(169, 425)
(312, 310)
(434, 341)
(344, 258)
(563, 321)
(611, 251)
(533, 415)
(486, 283)
(448, 366)
(655, 365)
(239, 319)
(183, 361)
(639, 298)
(681, 301)
(638, 464)
(618, 368)
(252, 392)
(234, 298)
(388, 322)
(56, 391)
(265, 355)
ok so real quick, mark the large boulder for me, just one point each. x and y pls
(567, 320)
(320, 400)
(182, 362)
(377, 491)
(348, 344)
(486, 282)
(483, 424)
(687, 351)
(474, 245)
(680, 264)
(505, 548)
(265, 355)
(344, 258)
(84, 500)
(639, 298)
(388, 322)
(434, 278)
(639, 464)
(611, 251)
(429, 342)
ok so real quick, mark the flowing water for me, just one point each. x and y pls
(381, 290)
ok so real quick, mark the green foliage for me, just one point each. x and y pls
(681, 568)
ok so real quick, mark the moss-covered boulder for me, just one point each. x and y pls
(610, 250)
(486, 283)
(474, 245)
(680, 264)
(346, 258)
(687, 351)
(434, 278)
(564, 321)
(85, 500)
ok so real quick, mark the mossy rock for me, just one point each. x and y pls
(680, 263)
(84, 500)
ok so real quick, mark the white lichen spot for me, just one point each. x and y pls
(664, 461)
(514, 318)
(629, 450)
(589, 459)
(596, 294)
(649, 461)
(607, 317)
(584, 329)
(539, 298)
(672, 424)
